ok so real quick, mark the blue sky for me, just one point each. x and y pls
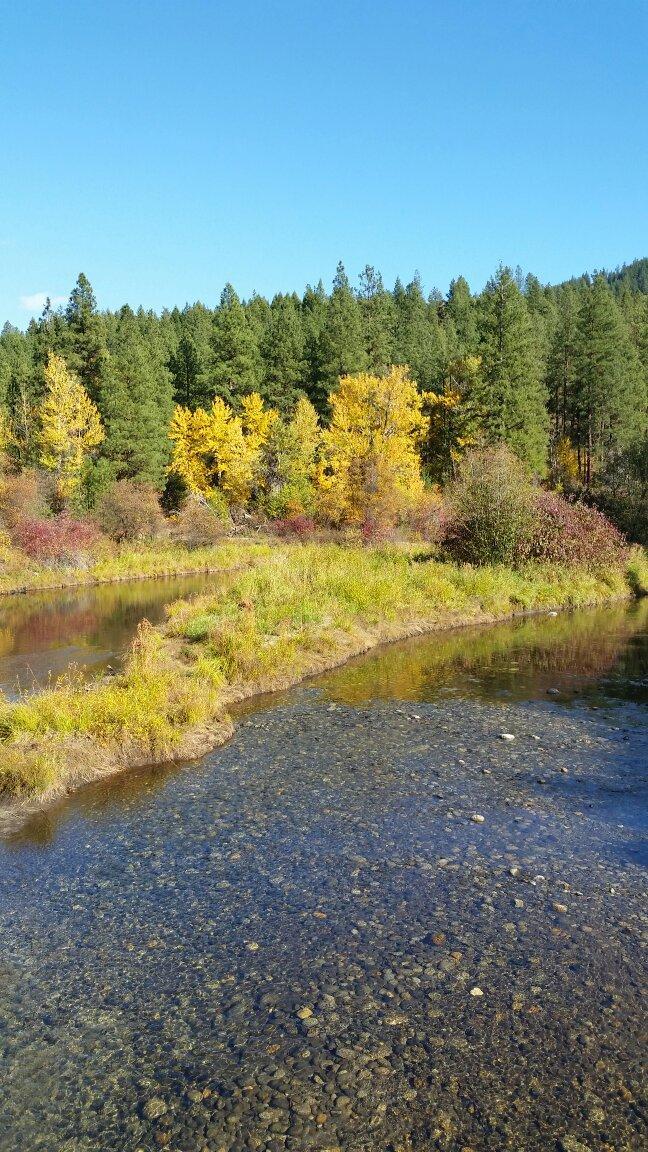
(167, 146)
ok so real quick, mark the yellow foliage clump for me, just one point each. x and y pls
(370, 466)
(70, 426)
(220, 449)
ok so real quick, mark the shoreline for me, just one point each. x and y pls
(199, 740)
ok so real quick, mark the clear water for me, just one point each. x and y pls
(161, 933)
(43, 633)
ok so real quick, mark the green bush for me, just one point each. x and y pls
(490, 509)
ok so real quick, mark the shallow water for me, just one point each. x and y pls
(162, 933)
(42, 634)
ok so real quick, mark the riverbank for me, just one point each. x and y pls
(19, 574)
(299, 610)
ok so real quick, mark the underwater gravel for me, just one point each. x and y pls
(310, 941)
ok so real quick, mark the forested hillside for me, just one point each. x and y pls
(559, 374)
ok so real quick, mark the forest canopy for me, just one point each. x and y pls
(558, 374)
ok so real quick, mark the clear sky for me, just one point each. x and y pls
(166, 146)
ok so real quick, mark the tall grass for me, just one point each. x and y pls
(297, 610)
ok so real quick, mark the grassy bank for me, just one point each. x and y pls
(124, 562)
(298, 610)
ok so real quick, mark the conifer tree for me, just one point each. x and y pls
(85, 345)
(420, 340)
(561, 368)
(136, 404)
(283, 355)
(341, 347)
(378, 320)
(610, 387)
(460, 308)
(236, 363)
(513, 398)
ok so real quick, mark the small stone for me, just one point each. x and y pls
(559, 907)
(507, 736)
(514, 871)
(305, 1013)
(476, 818)
(253, 947)
(476, 991)
(154, 1108)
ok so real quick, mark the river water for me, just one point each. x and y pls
(369, 922)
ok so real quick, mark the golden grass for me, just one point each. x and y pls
(298, 610)
(122, 562)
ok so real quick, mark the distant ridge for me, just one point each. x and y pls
(633, 276)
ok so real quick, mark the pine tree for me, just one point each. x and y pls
(378, 320)
(136, 404)
(420, 340)
(85, 345)
(283, 355)
(610, 397)
(561, 367)
(513, 397)
(460, 308)
(314, 307)
(185, 369)
(341, 347)
(236, 363)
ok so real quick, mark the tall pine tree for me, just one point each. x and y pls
(136, 403)
(513, 396)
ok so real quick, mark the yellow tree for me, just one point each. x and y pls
(70, 426)
(220, 449)
(370, 466)
(291, 461)
(452, 419)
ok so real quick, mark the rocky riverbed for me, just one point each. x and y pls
(365, 924)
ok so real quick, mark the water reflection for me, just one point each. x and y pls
(596, 656)
(43, 633)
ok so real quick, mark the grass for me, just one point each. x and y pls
(297, 610)
(124, 562)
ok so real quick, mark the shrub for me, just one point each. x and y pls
(129, 511)
(60, 540)
(490, 509)
(565, 533)
(21, 497)
(299, 525)
(198, 525)
(427, 518)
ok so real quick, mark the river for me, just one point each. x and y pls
(401, 909)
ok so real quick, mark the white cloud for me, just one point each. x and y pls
(36, 302)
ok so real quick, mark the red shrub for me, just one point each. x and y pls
(20, 496)
(59, 540)
(298, 525)
(565, 533)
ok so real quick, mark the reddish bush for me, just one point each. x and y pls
(129, 511)
(197, 525)
(59, 540)
(298, 525)
(565, 533)
(428, 518)
(20, 497)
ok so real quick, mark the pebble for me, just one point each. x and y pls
(507, 736)
(476, 991)
(154, 1108)
(477, 818)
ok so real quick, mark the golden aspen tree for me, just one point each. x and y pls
(70, 426)
(370, 466)
(220, 449)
